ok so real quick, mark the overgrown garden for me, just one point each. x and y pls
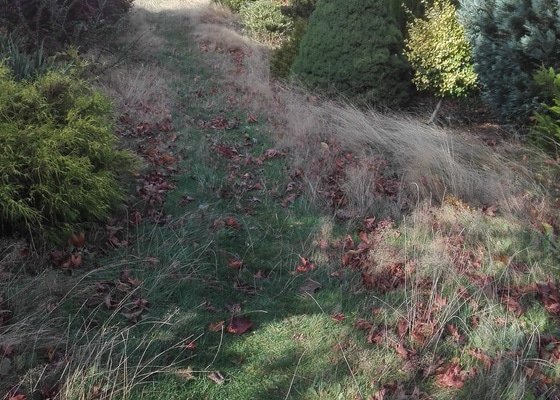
(315, 199)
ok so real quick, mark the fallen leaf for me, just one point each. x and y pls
(133, 316)
(309, 287)
(272, 153)
(376, 336)
(135, 218)
(549, 295)
(185, 373)
(363, 325)
(216, 377)
(512, 304)
(109, 303)
(190, 345)
(368, 280)
(450, 376)
(186, 199)
(239, 325)
(490, 210)
(480, 356)
(338, 317)
(216, 326)
(235, 263)
(233, 308)
(74, 261)
(17, 396)
(455, 334)
(305, 265)
(289, 200)
(402, 351)
(231, 222)
(78, 239)
(125, 277)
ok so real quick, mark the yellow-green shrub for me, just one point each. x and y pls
(58, 162)
(439, 52)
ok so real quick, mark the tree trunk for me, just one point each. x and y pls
(434, 114)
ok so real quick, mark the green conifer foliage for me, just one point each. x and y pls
(511, 40)
(58, 162)
(354, 47)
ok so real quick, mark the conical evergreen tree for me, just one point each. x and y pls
(355, 47)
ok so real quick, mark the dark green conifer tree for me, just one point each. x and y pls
(511, 40)
(354, 47)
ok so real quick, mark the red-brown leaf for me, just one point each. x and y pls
(305, 265)
(450, 376)
(363, 325)
(480, 356)
(376, 337)
(232, 222)
(190, 345)
(455, 334)
(338, 317)
(235, 263)
(78, 239)
(239, 325)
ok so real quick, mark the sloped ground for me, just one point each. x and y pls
(278, 245)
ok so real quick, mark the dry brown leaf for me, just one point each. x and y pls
(78, 239)
(455, 334)
(216, 326)
(305, 265)
(450, 376)
(235, 263)
(239, 325)
(338, 317)
(185, 373)
(363, 325)
(190, 344)
(231, 222)
(216, 377)
(480, 356)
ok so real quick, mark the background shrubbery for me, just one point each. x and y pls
(439, 53)
(234, 5)
(56, 23)
(511, 39)
(264, 21)
(355, 48)
(58, 162)
(546, 132)
(284, 56)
